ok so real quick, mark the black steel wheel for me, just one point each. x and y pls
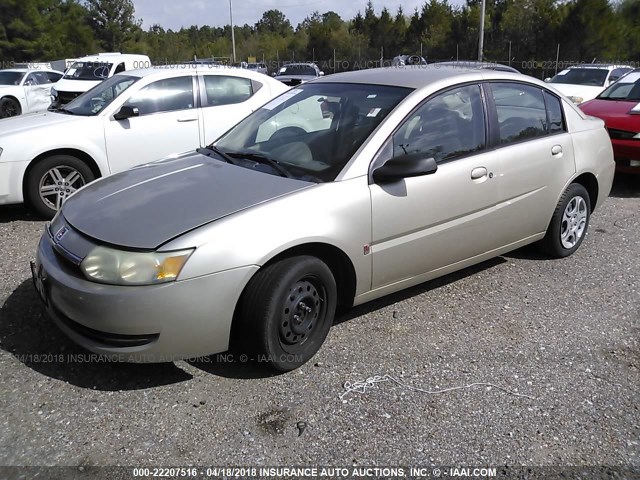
(287, 310)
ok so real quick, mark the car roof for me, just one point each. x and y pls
(29, 70)
(306, 64)
(477, 64)
(418, 76)
(600, 66)
(105, 57)
(175, 70)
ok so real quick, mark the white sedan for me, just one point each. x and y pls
(24, 90)
(132, 118)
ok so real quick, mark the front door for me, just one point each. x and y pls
(421, 224)
(167, 123)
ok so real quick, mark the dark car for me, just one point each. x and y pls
(296, 73)
(619, 107)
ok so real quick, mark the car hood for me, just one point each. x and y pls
(13, 125)
(615, 113)
(149, 205)
(584, 91)
(66, 85)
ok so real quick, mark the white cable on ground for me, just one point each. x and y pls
(362, 386)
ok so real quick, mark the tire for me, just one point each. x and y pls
(569, 223)
(286, 312)
(72, 173)
(9, 107)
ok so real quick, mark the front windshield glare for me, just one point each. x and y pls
(313, 130)
(627, 88)
(95, 100)
(594, 77)
(88, 71)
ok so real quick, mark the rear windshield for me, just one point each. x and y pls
(593, 77)
(298, 70)
(88, 71)
(627, 88)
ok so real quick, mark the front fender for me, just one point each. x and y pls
(336, 214)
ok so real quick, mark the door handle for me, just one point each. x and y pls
(185, 120)
(478, 173)
(556, 150)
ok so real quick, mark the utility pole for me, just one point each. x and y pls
(233, 35)
(481, 40)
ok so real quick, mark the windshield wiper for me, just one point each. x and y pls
(213, 149)
(264, 159)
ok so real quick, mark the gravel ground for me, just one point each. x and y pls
(562, 333)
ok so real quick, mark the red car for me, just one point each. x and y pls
(619, 107)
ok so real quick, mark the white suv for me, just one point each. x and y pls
(587, 81)
(87, 72)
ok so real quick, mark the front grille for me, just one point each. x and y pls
(114, 340)
(621, 134)
(66, 97)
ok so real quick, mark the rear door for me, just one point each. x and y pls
(421, 224)
(167, 124)
(225, 100)
(535, 153)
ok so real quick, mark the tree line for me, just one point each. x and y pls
(515, 30)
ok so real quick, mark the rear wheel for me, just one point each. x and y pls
(287, 311)
(53, 179)
(9, 107)
(569, 223)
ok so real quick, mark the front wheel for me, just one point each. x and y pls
(52, 180)
(9, 107)
(569, 223)
(287, 310)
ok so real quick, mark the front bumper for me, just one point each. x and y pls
(155, 323)
(627, 155)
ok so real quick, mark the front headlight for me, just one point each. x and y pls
(576, 100)
(119, 267)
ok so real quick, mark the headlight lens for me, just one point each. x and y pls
(576, 100)
(118, 267)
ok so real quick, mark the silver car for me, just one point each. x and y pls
(333, 194)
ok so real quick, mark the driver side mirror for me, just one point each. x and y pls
(547, 80)
(125, 112)
(404, 166)
(322, 74)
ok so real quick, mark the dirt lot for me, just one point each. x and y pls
(560, 337)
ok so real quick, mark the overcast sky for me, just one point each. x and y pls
(184, 13)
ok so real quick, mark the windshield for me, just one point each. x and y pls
(95, 100)
(593, 77)
(298, 70)
(88, 71)
(627, 88)
(11, 78)
(312, 131)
